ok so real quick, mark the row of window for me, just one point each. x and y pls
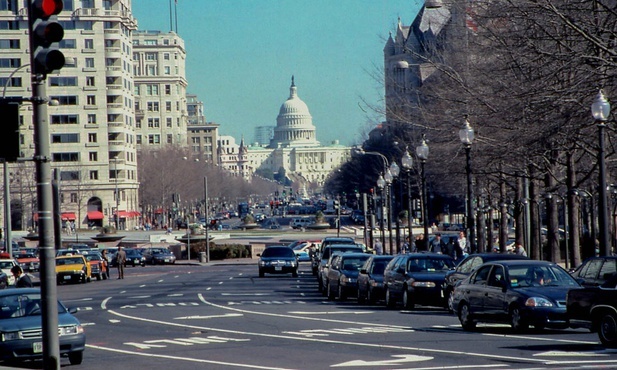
(154, 139)
(153, 89)
(154, 122)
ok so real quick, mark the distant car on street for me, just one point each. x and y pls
(278, 260)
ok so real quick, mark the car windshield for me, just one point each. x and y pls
(354, 263)
(20, 305)
(379, 267)
(523, 276)
(429, 264)
(278, 252)
(6, 264)
(92, 257)
(70, 261)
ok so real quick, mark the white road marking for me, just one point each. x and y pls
(330, 312)
(398, 360)
(541, 339)
(175, 295)
(220, 283)
(573, 354)
(196, 360)
(208, 317)
(77, 300)
(140, 296)
(88, 324)
(245, 294)
(114, 321)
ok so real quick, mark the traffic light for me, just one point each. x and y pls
(9, 140)
(45, 31)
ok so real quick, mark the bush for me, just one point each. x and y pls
(225, 251)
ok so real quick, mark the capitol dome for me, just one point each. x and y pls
(294, 124)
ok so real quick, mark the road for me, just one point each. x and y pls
(226, 317)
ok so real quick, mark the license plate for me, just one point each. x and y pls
(67, 277)
(37, 347)
(166, 259)
(278, 268)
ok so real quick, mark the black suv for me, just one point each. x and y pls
(322, 269)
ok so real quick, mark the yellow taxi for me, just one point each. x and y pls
(73, 268)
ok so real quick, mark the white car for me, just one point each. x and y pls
(6, 265)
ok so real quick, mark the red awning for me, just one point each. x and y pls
(68, 216)
(135, 213)
(124, 214)
(95, 215)
(159, 211)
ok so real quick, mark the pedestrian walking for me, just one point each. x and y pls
(518, 249)
(437, 245)
(106, 262)
(121, 260)
(378, 247)
(21, 280)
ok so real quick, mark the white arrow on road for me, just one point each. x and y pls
(400, 359)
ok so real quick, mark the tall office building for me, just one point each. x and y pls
(92, 129)
(202, 135)
(160, 89)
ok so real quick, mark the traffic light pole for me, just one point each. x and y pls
(49, 294)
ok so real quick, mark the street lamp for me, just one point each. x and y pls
(407, 164)
(600, 110)
(394, 171)
(466, 134)
(381, 183)
(422, 153)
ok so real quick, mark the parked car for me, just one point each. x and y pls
(595, 271)
(342, 279)
(416, 278)
(322, 272)
(71, 268)
(134, 258)
(29, 262)
(21, 327)
(158, 256)
(329, 240)
(370, 279)
(467, 265)
(278, 260)
(6, 264)
(518, 292)
(299, 222)
(303, 252)
(595, 308)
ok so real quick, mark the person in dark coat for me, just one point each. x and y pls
(21, 280)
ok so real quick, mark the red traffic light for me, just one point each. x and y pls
(47, 8)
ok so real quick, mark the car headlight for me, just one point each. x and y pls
(348, 280)
(71, 330)
(262, 263)
(538, 302)
(376, 284)
(423, 284)
(14, 335)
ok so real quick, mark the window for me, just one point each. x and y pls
(168, 106)
(152, 89)
(10, 62)
(90, 81)
(167, 70)
(150, 56)
(169, 138)
(92, 137)
(167, 89)
(64, 119)
(91, 100)
(70, 62)
(92, 118)
(150, 42)
(10, 44)
(69, 175)
(88, 44)
(87, 25)
(89, 62)
(67, 44)
(14, 82)
(138, 123)
(68, 25)
(166, 56)
(73, 197)
(154, 139)
(153, 122)
(65, 157)
(64, 138)
(65, 100)
(138, 139)
(481, 275)
(151, 70)
(9, 25)
(93, 156)
(168, 121)
(87, 4)
(63, 81)
(153, 106)
(94, 175)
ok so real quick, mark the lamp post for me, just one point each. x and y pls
(407, 164)
(466, 134)
(381, 183)
(394, 171)
(600, 110)
(422, 153)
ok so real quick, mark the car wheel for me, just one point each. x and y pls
(607, 329)
(389, 299)
(517, 321)
(76, 358)
(98, 276)
(330, 293)
(450, 300)
(464, 316)
(407, 300)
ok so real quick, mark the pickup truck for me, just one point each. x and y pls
(596, 309)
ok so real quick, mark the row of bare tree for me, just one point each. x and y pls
(525, 75)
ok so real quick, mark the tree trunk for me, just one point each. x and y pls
(574, 238)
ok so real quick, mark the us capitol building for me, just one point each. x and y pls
(293, 147)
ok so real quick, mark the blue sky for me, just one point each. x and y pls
(241, 55)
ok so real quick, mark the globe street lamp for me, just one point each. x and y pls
(600, 110)
(466, 134)
(422, 153)
(407, 164)
(381, 183)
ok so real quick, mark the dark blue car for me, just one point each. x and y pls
(517, 292)
(370, 279)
